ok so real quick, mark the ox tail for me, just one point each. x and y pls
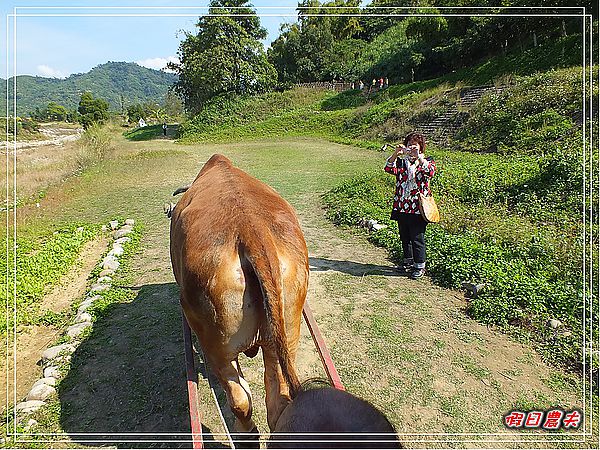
(262, 255)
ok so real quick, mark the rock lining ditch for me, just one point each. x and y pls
(53, 357)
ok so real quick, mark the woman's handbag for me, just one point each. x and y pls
(428, 209)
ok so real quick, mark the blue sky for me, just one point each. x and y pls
(59, 46)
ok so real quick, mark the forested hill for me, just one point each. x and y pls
(111, 81)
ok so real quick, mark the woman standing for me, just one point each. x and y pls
(413, 172)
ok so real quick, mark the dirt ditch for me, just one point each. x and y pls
(33, 340)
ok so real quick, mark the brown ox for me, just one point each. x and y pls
(241, 263)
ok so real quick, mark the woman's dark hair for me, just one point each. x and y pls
(313, 419)
(315, 383)
(415, 137)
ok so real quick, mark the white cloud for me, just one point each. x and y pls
(158, 63)
(47, 71)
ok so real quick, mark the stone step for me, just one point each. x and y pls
(440, 120)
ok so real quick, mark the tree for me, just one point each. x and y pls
(172, 105)
(342, 60)
(147, 111)
(299, 53)
(321, 46)
(135, 112)
(38, 114)
(92, 110)
(56, 112)
(225, 56)
(342, 21)
(379, 15)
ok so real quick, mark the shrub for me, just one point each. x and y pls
(95, 144)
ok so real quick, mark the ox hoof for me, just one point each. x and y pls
(252, 351)
(251, 439)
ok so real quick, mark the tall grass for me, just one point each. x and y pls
(95, 144)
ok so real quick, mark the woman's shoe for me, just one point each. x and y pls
(405, 268)
(417, 273)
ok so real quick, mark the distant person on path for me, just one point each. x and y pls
(164, 127)
(381, 83)
(413, 172)
(386, 82)
(361, 85)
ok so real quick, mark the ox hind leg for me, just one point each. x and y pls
(239, 399)
(224, 364)
(276, 389)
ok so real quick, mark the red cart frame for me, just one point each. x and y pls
(192, 375)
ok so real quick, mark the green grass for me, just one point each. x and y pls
(471, 367)
(51, 417)
(40, 263)
(144, 133)
(150, 132)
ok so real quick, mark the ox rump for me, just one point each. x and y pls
(241, 263)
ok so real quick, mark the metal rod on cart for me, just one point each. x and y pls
(192, 386)
(322, 348)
